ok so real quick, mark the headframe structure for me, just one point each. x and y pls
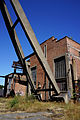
(21, 17)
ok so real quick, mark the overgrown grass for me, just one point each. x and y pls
(70, 111)
(28, 104)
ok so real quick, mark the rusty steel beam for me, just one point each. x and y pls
(34, 42)
(15, 41)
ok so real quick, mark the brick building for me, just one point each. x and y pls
(63, 57)
(17, 82)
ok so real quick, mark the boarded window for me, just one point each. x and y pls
(33, 70)
(60, 68)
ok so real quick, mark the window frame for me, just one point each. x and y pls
(36, 74)
(60, 63)
(45, 50)
(62, 81)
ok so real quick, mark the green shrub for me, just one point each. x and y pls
(19, 101)
(30, 98)
(14, 101)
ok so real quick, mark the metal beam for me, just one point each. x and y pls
(2, 76)
(38, 90)
(29, 56)
(15, 41)
(16, 22)
(34, 42)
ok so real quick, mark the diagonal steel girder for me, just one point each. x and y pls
(34, 42)
(16, 43)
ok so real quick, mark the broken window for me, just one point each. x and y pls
(34, 71)
(60, 73)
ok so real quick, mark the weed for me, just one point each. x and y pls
(14, 101)
(69, 111)
(30, 98)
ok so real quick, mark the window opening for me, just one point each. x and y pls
(60, 73)
(34, 74)
(45, 51)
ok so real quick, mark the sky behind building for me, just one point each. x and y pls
(48, 18)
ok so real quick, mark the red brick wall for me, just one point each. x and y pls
(20, 88)
(74, 52)
(54, 49)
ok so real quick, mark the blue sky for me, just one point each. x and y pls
(48, 18)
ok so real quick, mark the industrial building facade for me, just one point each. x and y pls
(63, 57)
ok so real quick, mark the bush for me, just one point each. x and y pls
(18, 101)
(30, 98)
(14, 101)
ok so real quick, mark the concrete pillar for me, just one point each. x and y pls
(69, 76)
